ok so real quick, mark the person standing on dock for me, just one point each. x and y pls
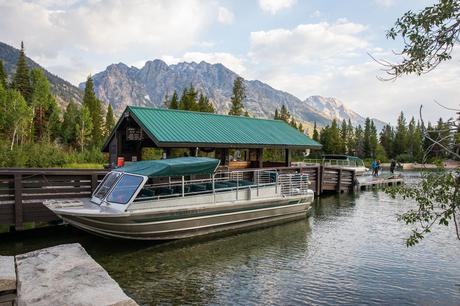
(374, 167)
(392, 166)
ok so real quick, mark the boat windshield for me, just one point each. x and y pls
(107, 183)
(125, 189)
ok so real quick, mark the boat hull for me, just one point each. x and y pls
(181, 223)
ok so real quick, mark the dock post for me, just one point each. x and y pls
(18, 209)
(339, 180)
(318, 180)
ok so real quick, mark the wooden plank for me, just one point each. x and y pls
(55, 190)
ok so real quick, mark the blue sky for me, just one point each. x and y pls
(304, 47)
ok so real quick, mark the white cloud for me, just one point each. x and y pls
(105, 28)
(308, 42)
(224, 15)
(230, 61)
(273, 6)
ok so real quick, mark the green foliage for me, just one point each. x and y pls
(21, 80)
(429, 37)
(438, 202)
(3, 76)
(109, 121)
(204, 105)
(315, 133)
(174, 103)
(44, 107)
(239, 94)
(84, 128)
(94, 108)
(284, 114)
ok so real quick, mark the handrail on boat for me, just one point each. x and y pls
(284, 183)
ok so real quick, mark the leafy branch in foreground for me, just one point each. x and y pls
(438, 202)
(429, 37)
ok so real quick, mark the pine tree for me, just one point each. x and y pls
(343, 137)
(351, 142)
(293, 123)
(373, 140)
(45, 108)
(284, 114)
(69, 123)
(109, 121)
(359, 141)
(300, 128)
(277, 116)
(188, 100)
(315, 133)
(400, 142)
(367, 138)
(204, 105)
(387, 139)
(174, 104)
(239, 94)
(94, 108)
(3, 76)
(21, 80)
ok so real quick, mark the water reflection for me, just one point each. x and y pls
(350, 251)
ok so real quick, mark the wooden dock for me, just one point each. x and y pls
(366, 183)
(22, 191)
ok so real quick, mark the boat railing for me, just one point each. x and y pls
(333, 162)
(237, 181)
(293, 184)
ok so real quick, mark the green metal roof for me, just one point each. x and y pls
(168, 126)
(172, 167)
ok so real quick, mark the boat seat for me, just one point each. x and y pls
(198, 187)
(144, 193)
(163, 191)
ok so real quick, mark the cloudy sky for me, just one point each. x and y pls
(305, 47)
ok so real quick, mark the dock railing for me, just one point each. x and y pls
(22, 191)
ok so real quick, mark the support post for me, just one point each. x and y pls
(318, 180)
(183, 186)
(339, 180)
(260, 157)
(93, 182)
(18, 209)
(287, 157)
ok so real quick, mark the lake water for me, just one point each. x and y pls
(350, 251)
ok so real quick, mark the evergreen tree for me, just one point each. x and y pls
(400, 142)
(284, 114)
(344, 137)
(373, 140)
(174, 104)
(300, 128)
(3, 76)
(315, 132)
(293, 123)
(246, 114)
(44, 107)
(188, 100)
(109, 121)
(367, 138)
(239, 94)
(204, 105)
(387, 139)
(277, 116)
(21, 80)
(359, 141)
(351, 143)
(69, 123)
(94, 107)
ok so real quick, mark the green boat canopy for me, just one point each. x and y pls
(172, 167)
